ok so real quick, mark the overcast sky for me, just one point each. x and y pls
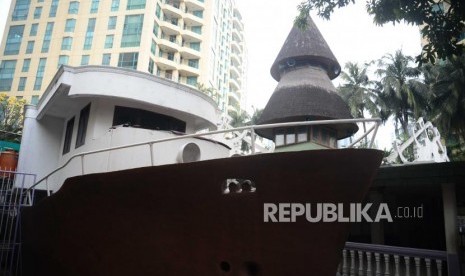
(350, 34)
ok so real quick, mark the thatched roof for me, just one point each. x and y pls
(308, 46)
(306, 94)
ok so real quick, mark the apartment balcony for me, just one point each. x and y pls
(238, 24)
(167, 62)
(235, 46)
(166, 75)
(235, 96)
(235, 73)
(233, 110)
(172, 8)
(168, 44)
(234, 83)
(236, 35)
(186, 70)
(189, 53)
(235, 58)
(193, 19)
(195, 4)
(170, 26)
(191, 34)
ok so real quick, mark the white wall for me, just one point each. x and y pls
(39, 152)
(47, 135)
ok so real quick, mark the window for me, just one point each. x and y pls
(35, 100)
(89, 34)
(30, 47)
(112, 22)
(70, 25)
(22, 83)
(195, 46)
(13, 40)
(151, 64)
(192, 80)
(198, 14)
(63, 60)
(153, 48)
(128, 60)
(155, 29)
(26, 64)
(82, 126)
(290, 137)
(158, 11)
(135, 4)
(33, 31)
(437, 8)
(279, 138)
(21, 10)
(37, 12)
(68, 135)
(106, 58)
(85, 60)
(40, 73)
(146, 119)
(47, 37)
(53, 8)
(108, 42)
(193, 63)
(66, 43)
(73, 7)
(114, 5)
(94, 6)
(132, 30)
(302, 134)
(7, 71)
(197, 29)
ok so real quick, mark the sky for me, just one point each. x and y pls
(350, 33)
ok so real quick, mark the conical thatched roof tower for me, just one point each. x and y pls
(304, 68)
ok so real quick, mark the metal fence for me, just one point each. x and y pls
(13, 197)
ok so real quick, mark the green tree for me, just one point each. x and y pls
(356, 91)
(239, 119)
(11, 118)
(442, 22)
(446, 81)
(400, 93)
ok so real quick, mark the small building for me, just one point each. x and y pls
(304, 69)
(91, 108)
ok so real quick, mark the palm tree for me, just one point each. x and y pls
(446, 80)
(356, 91)
(399, 92)
(239, 119)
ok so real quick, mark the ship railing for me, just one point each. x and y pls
(251, 128)
(12, 199)
(375, 259)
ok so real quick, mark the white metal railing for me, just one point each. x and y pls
(252, 129)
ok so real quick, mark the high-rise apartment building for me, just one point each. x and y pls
(199, 43)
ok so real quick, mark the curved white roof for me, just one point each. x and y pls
(72, 84)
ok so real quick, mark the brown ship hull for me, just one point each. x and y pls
(175, 220)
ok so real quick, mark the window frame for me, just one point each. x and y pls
(69, 130)
(82, 126)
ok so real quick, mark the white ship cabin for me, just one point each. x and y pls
(91, 108)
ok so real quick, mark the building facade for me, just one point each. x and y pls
(193, 42)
